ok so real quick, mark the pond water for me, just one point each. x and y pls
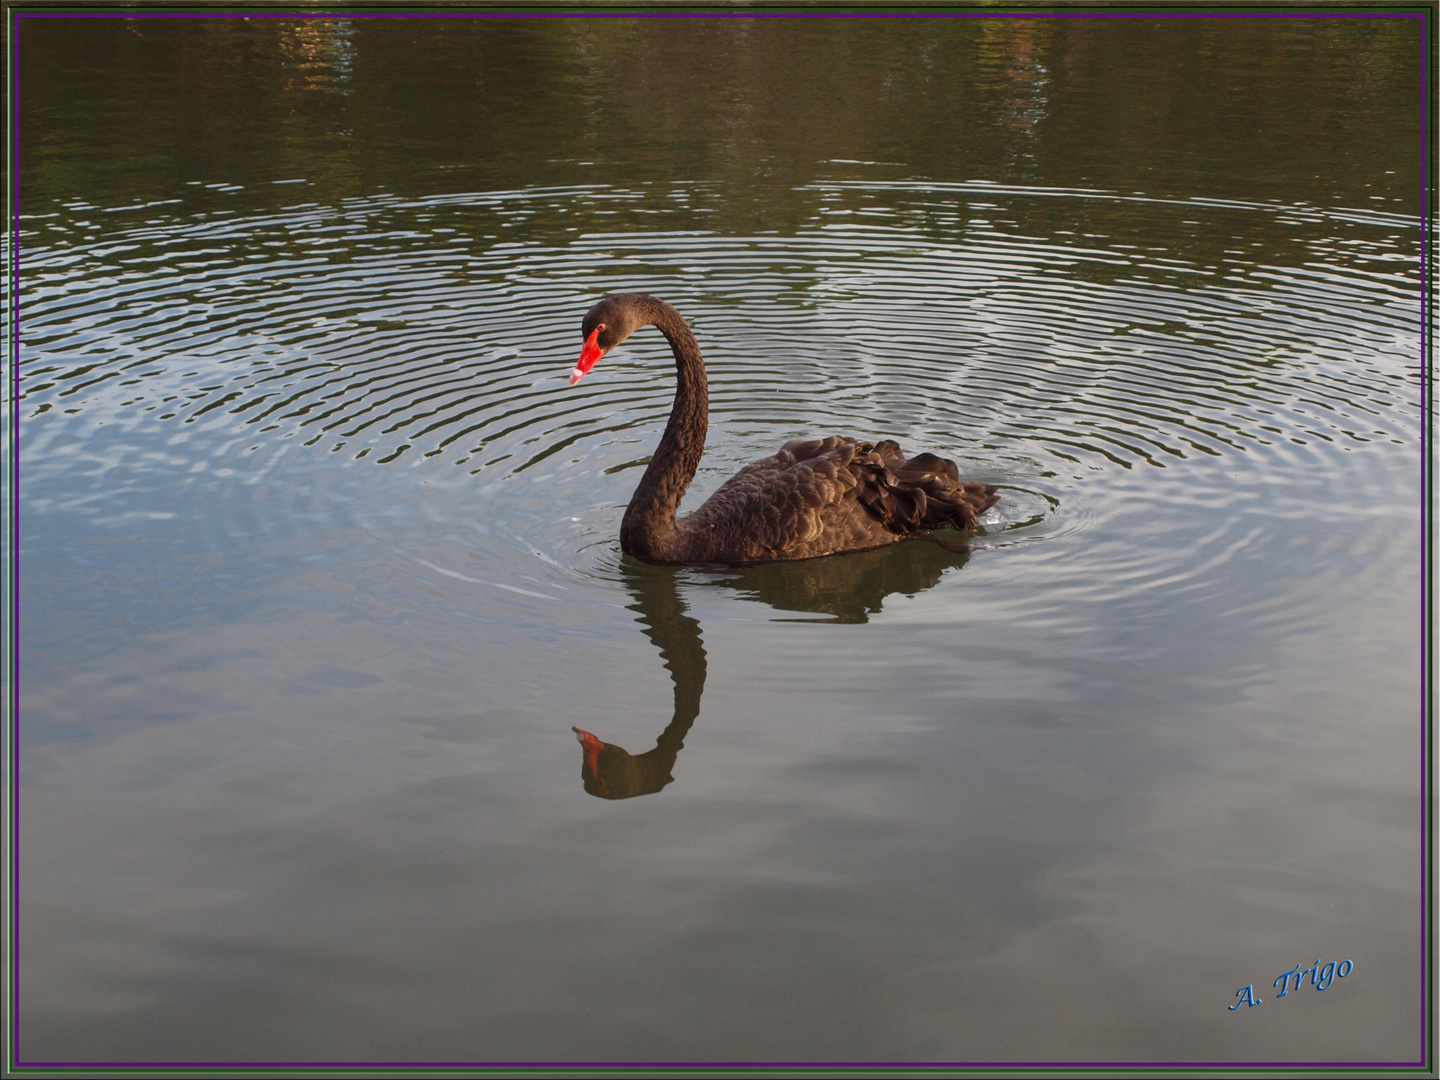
(318, 557)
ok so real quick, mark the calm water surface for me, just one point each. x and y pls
(319, 561)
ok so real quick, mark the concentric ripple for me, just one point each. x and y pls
(1038, 336)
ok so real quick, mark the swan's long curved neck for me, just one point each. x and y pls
(648, 530)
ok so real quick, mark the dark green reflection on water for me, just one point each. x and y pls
(114, 111)
(847, 587)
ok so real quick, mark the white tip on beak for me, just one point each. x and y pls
(576, 376)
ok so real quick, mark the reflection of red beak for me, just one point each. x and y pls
(592, 746)
(589, 357)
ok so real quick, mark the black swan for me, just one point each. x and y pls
(815, 497)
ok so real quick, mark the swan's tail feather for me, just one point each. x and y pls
(923, 492)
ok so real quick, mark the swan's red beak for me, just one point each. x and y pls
(592, 746)
(589, 357)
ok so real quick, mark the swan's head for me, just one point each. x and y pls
(612, 772)
(606, 325)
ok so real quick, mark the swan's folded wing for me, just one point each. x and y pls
(800, 503)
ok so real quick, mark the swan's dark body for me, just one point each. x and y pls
(814, 497)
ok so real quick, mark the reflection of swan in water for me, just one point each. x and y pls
(610, 771)
(849, 589)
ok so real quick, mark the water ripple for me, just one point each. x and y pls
(407, 332)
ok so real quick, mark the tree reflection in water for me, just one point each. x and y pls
(848, 588)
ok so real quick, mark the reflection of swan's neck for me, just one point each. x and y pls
(610, 771)
(676, 633)
(648, 531)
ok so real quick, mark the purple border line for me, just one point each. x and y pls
(12, 635)
(1425, 15)
(718, 9)
(1427, 344)
(751, 14)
